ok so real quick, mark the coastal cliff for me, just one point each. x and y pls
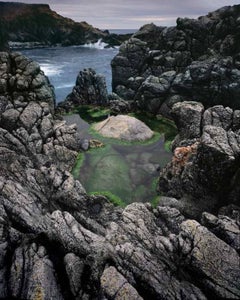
(198, 60)
(38, 25)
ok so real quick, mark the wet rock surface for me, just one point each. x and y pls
(59, 243)
(196, 60)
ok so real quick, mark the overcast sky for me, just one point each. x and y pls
(132, 14)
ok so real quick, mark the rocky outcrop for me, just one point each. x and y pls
(125, 128)
(90, 88)
(37, 25)
(196, 60)
(59, 243)
(205, 165)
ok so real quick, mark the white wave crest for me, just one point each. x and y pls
(50, 70)
(64, 86)
(98, 45)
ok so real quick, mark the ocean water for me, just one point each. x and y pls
(122, 31)
(62, 64)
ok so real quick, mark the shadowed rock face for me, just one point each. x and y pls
(58, 243)
(90, 89)
(196, 60)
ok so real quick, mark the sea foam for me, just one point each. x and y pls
(50, 69)
(98, 45)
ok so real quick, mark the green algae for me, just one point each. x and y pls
(78, 165)
(115, 200)
(121, 168)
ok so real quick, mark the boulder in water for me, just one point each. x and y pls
(124, 128)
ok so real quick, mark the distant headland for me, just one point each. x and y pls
(38, 25)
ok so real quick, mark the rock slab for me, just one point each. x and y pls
(124, 128)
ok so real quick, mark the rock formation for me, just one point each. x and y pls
(59, 243)
(90, 88)
(205, 165)
(196, 60)
(124, 128)
(38, 25)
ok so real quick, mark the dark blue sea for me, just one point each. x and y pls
(62, 64)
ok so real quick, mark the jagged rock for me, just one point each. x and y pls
(58, 242)
(206, 250)
(224, 227)
(124, 128)
(119, 106)
(90, 88)
(206, 157)
(115, 286)
(188, 118)
(196, 60)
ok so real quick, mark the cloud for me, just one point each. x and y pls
(134, 13)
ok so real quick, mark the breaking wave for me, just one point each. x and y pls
(98, 45)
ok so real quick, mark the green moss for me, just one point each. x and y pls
(167, 145)
(158, 124)
(156, 136)
(115, 200)
(79, 162)
(154, 184)
(91, 114)
(155, 201)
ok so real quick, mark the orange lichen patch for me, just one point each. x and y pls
(181, 156)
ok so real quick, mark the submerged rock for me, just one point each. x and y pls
(124, 128)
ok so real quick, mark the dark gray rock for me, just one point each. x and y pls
(201, 58)
(57, 242)
(114, 285)
(119, 106)
(90, 88)
(224, 227)
(188, 118)
(204, 168)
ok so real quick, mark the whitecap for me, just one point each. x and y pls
(98, 45)
(64, 86)
(50, 70)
